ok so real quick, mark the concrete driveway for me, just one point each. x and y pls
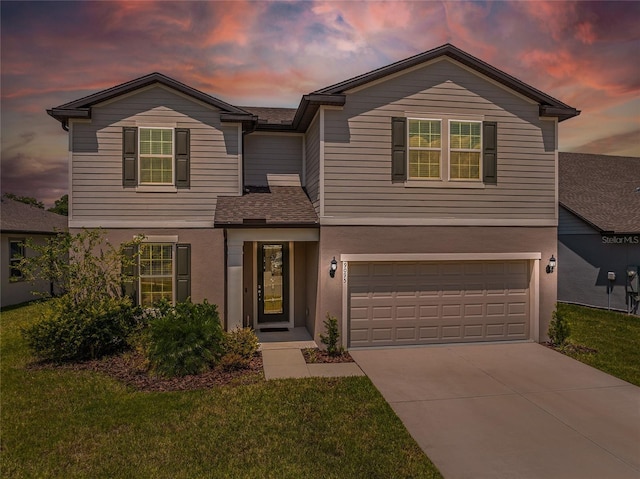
(510, 411)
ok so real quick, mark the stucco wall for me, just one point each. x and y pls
(337, 240)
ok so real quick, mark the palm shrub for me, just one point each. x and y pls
(184, 339)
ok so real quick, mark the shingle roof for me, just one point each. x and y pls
(275, 206)
(602, 190)
(17, 217)
(269, 115)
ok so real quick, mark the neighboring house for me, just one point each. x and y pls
(599, 230)
(19, 221)
(429, 185)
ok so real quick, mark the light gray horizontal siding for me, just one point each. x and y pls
(570, 224)
(312, 162)
(97, 192)
(279, 154)
(358, 150)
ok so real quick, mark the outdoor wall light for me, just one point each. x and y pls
(333, 268)
(552, 264)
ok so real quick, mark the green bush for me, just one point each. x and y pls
(184, 339)
(333, 336)
(69, 332)
(559, 329)
(240, 346)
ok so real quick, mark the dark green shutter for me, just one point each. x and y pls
(129, 156)
(398, 149)
(182, 158)
(130, 269)
(183, 272)
(490, 151)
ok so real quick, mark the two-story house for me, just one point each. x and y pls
(417, 203)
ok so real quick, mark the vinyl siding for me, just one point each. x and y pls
(271, 153)
(570, 224)
(312, 145)
(97, 191)
(358, 150)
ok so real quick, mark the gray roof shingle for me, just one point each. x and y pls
(17, 217)
(274, 206)
(602, 190)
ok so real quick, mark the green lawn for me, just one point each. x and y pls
(61, 423)
(614, 336)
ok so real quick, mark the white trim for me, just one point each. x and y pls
(70, 177)
(147, 188)
(153, 123)
(440, 257)
(159, 238)
(345, 304)
(389, 221)
(254, 283)
(435, 183)
(275, 234)
(436, 60)
(125, 224)
(239, 159)
(143, 125)
(161, 241)
(534, 298)
(321, 161)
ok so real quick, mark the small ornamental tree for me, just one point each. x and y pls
(92, 317)
(559, 330)
(332, 338)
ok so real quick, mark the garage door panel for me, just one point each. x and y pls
(423, 303)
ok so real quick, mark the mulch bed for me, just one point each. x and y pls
(316, 355)
(131, 369)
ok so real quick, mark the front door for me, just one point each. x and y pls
(273, 282)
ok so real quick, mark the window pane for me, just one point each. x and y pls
(424, 164)
(424, 134)
(465, 135)
(152, 290)
(156, 273)
(156, 169)
(465, 165)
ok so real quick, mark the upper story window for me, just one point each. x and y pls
(16, 253)
(444, 151)
(156, 156)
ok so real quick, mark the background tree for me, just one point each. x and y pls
(28, 200)
(61, 206)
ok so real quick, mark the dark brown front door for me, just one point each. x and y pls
(273, 282)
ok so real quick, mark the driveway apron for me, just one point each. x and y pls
(510, 410)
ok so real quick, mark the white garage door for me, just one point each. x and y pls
(403, 303)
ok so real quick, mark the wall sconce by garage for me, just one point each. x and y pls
(552, 264)
(333, 267)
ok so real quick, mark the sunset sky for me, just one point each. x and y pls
(586, 54)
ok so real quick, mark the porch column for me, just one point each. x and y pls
(234, 284)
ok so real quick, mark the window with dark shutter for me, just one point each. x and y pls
(398, 149)
(183, 272)
(129, 156)
(182, 158)
(490, 151)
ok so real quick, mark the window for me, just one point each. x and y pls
(447, 151)
(156, 156)
(465, 143)
(424, 148)
(156, 273)
(16, 253)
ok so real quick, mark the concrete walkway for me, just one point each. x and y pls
(290, 363)
(510, 410)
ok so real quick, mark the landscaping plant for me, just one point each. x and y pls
(184, 339)
(332, 338)
(559, 329)
(240, 346)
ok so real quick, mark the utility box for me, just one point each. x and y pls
(611, 276)
(632, 280)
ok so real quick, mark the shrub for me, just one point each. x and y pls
(559, 329)
(71, 333)
(184, 339)
(332, 337)
(240, 345)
